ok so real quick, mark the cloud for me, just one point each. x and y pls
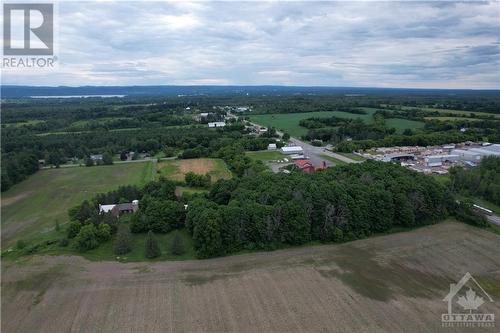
(398, 44)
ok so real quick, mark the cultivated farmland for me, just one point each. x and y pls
(393, 283)
(177, 169)
(289, 122)
(30, 208)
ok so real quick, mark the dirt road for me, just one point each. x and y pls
(392, 283)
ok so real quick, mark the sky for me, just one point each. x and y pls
(357, 44)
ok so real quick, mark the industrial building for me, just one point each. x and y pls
(289, 150)
(438, 160)
(216, 124)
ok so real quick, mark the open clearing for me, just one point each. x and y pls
(392, 283)
(289, 122)
(177, 169)
(459, 112)
(265, 155)
(30, 208)
(401, 124)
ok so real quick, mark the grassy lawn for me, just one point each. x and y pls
(180, 190)
(334, 160)
(352, 156)
(401, 124)
(289, 122)
(265, 155)
(30, 208)
(177, 169)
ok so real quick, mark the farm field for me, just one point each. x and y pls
(265, 155)
(177, 169)
(31, 208)
(401, 124)
(452, 118)
(289, 122)
(459, 112)
(393, 283)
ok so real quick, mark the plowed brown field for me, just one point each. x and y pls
(391, 283)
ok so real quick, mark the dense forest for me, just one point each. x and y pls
(59, 130)
(276, 210)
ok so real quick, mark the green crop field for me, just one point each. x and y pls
(401, 124)
(289, 122)
(452, 118)
(31, 208)
(458, 112)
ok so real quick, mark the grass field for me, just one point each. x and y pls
(401, 124)
(333, 160)
(352, 156)
(289, 122)
(459, 112)
(452, 118)
(265, 155)
(392, 283)
(30, 208)
(177, 169)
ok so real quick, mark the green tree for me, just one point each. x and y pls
(87, 238)
(286, 136)
(123, 243)
(107, 159)
(57, 227)
(177, 246)
(103, 232)
(206, 235)
(89, 162)
(152, 248)
(73, 229)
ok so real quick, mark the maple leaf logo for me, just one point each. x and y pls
(470, 301)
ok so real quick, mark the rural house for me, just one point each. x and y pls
(118, 209)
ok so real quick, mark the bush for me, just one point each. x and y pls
(152, 249)
(87, 238)
(123, 243)
(57, 226)
(103, 232)
(20, 244)
(73, 229)
(63, 242)
(177, 246)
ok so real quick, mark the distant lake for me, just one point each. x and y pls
(80, 96)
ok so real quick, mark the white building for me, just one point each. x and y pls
(292, 150)
(217, 124)
(271, 146)
(466, 155)
(438, 160)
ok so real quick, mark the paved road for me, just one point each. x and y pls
(495, 219)
(314, 153)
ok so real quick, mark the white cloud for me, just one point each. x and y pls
(399, 44)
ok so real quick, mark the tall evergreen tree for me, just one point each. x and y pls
(123, 243)
(177, 246)
(152, 249)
